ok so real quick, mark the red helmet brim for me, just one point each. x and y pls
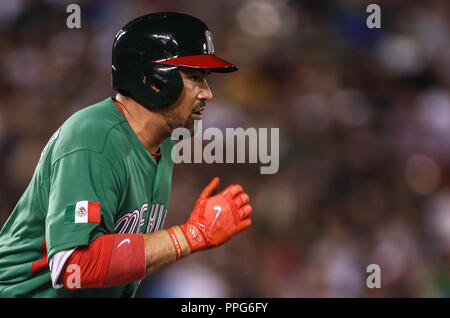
(207, 61)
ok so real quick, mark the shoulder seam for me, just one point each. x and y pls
(88, 149)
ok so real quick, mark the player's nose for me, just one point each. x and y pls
(205, 92)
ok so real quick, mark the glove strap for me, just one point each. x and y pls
(194, 236)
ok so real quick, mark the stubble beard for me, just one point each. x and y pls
(174, 121)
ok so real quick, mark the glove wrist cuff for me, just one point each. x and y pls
(193, 236)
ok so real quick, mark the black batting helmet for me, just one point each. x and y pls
(149, 50)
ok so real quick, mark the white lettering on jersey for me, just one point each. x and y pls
(133, 221)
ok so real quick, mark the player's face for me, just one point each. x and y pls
(191, 102)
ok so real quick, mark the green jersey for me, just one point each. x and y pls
(94, 158)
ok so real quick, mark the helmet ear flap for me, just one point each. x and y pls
(157, 86)
(164, 85)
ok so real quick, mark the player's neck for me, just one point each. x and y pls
(148, 126)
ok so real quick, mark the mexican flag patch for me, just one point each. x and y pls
(83, 212)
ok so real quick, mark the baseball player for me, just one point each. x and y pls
(90, 223)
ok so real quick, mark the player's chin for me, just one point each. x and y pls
(190, 125)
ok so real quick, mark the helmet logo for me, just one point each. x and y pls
(209, 42)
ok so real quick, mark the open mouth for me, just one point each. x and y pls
(198, 114)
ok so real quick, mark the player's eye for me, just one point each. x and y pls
(196, 78)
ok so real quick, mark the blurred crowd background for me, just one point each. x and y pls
(364, 119)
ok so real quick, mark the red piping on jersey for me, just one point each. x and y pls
(40, 264)
(120, 108)
(155, 155)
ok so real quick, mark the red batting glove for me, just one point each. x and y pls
(216, 218)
